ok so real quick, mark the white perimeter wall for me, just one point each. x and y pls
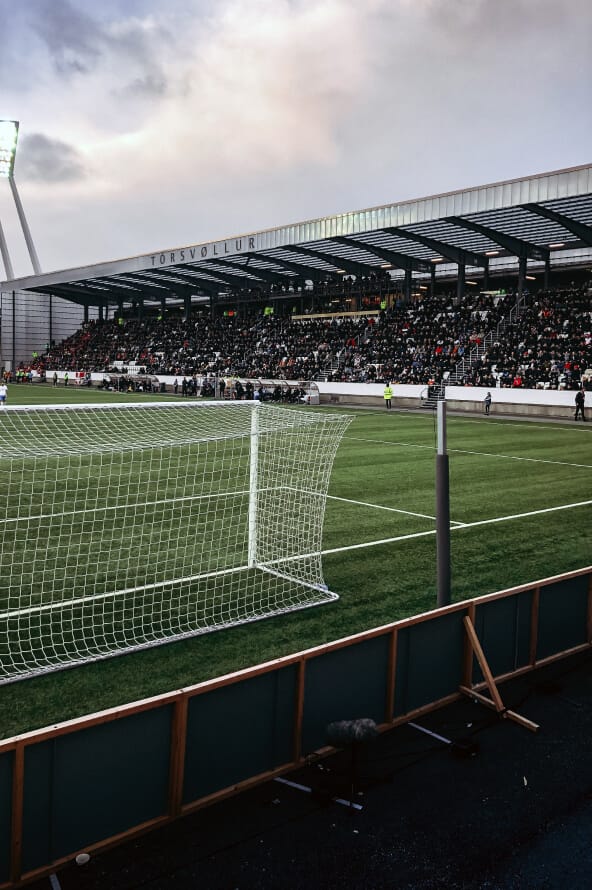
(549, 397)
(361, 391)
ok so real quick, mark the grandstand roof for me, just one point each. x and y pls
(543, 219)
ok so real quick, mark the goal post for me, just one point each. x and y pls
(129, 525)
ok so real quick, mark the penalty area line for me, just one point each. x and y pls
(334, 497)
(432, 531)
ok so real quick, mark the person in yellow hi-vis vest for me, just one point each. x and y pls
(388, 394)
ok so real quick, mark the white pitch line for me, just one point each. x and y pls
(459, 526)
(333, 497)
(523, 424)
(538, 460)
(524, 515)
(389, 442)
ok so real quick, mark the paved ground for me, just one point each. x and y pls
(501, 809)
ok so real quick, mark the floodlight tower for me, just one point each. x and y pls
(8, 140)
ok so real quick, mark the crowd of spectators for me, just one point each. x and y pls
(547, 343)
(548, 346)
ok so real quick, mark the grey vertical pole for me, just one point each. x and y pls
(13, 332)
(460, 282)
(433, 281)
(442, 510)
(25, 226)
(50, 320)
(521, 275)
(486, 276)
(408, 285)
(5, 256)
(547, 274)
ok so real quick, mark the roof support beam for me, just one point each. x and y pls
(450, 251)
(160, 287)
(264, 274)
(517, 246)
(147, 287)
(399, 260)
(91, 297)
(307, 273)
(236, 281)
(582, 231)
(197, 282)
(351, 266)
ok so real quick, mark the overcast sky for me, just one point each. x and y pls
(147, 125)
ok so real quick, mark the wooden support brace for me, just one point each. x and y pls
(495, 701)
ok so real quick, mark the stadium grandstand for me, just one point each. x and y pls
(485, 286)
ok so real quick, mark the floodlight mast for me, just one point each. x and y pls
(8, 140)
(25, 226)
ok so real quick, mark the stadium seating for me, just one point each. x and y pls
(543, 341)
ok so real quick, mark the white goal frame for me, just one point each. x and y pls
(57, 608)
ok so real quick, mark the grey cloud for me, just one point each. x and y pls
(151, 85)
(79, 44)
(42, 159)
(72, 37)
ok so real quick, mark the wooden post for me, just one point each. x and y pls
(389, 710)
(18, 787)
(299, 711)
(468, 651)
(589, 623)
(177, 757)
(534, 625)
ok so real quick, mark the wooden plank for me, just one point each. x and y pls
(98, 847)
(467, 672)
(510, 715)
(177, 755)
(16, 831)
(589, 627)
(391, 677)
(534, 625)
(493, 690)
(299, 711)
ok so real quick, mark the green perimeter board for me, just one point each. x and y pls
(6, 769)
(563, 628)
(347, 684)
(429, 662)
(503, 629)
(239, 731)
(86, 786)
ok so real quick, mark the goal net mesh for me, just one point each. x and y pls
(126, 526)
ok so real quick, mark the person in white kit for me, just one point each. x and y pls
(3, 394)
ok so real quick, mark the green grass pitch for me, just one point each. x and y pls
(521, 509)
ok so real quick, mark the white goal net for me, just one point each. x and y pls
(125, 526)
